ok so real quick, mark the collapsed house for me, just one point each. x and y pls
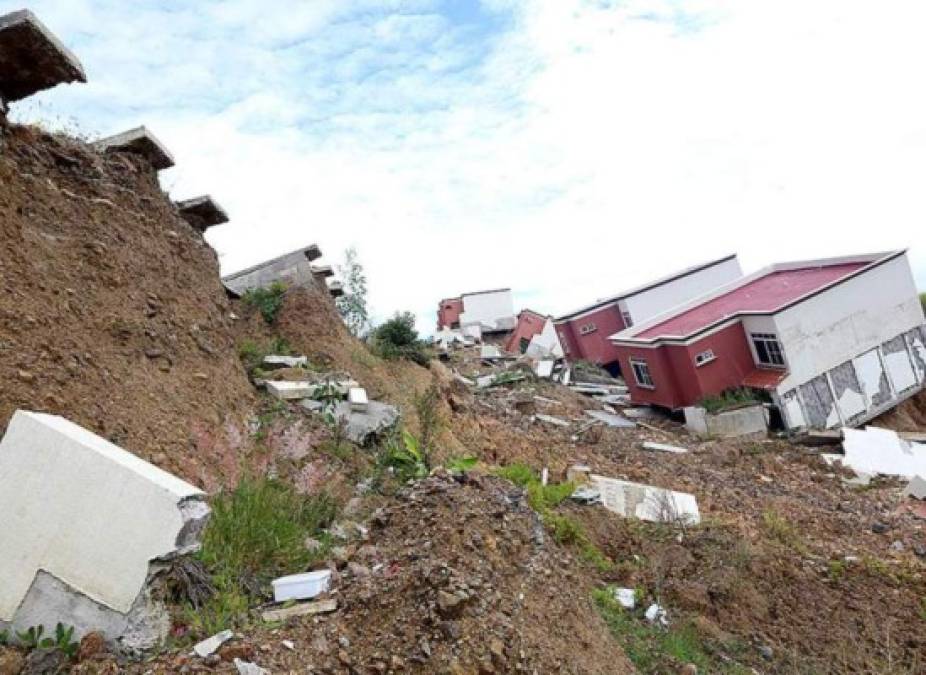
(832, 342)
(88, 531)
(483, 315)
(294, 269)
(584, 333)
(535, 335)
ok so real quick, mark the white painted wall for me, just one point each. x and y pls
(846, 320)
(83, 510)
(546, 342)
(488, 308)
(645, 305)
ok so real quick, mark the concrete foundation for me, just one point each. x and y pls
(202, 212)
(87, 530)
(32, 58)
(728, 424)
(139, 141)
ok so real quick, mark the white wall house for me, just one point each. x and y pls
(490, 310)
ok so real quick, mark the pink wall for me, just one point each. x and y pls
(594, 346)
(448, 312)
(678, 381)
(529, 324)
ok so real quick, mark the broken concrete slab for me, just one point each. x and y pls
(248, 668)
(646, 502)
(662, 447)
(640, 413)
(323, 271)
(290, 391)
(544, 369)
(73, 551)
(274, 361)
(745, 421)
(585, 494)
(211, 645)
(882, 451)
(301, 586)
(302, 609)
(32, 59)
(292, 269)
(357, 397)
(139, 141)
(490, 352)
(336, 289)
(202, 212)
(549, 419)
(363, 427)
(611, 419)
(916, 488)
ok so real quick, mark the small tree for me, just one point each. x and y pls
(398, 338)
(353, 304)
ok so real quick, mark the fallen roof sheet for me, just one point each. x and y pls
(139, 141)
(32, 58)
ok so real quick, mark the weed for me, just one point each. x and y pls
(4, 638)
(256, 533)
(836, 569)
(269, 301)
(462, 465)
(429, 417)
(266, 418)
(784, 532)
(63, 640)
(406, 458)
(252, 353)
(731, 398)
(519, 474)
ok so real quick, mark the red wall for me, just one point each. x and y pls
(529, 324)
(678, 382)
(594, 346)
(448, 312)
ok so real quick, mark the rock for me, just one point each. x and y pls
(879, 528)
(357, 570)
(11, 661)
(767, 652)
(248, 668)
(45, 662)
(919, 550)
(451, 630)
(210, 645)
(312, 545)
(91, 644)
(897, 546)
(450, 605)
(25, 376)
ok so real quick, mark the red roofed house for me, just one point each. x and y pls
(530, 323)
(584, 332)
(834, 342)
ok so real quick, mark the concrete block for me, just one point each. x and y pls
(662, 447)
(139, 141)
(646, 502)
(293, 269)
(32, 58)
(274, 361)
(727, 424)
(322, 270)
(290, 391)
(611, 419)
(202, 212)
(544, 369)
(87, 527)
(336, 288)
(916, 488)
(357, 397)
(882, 451)
(362, 427)
(549, 419)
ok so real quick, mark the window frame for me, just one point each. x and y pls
(588, 328)
(766, 341)
(708, 355)
(626, 318)
(638, 362)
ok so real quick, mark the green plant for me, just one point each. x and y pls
(784, 532)
(923, 300)
(726, 400)
(257, 532)
(836, 569)
(63, 640)
(519, 474)
(406, 457)
(31, 638)
(268, 301)
(398, 339)
(4, 638)
(353, 304)
(462, 465)
(429, 417)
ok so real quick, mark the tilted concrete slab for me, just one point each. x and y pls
(290, 391)
(646, 502)
(293, 269)
(139, 141)
(882, 451)
(202, 212)
(322, 270)
(32, 58)
(85, 526)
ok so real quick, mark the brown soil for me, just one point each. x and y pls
(908, 416)
(112, 313)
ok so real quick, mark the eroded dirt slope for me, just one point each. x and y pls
(111, 309)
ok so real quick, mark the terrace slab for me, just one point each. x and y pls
(202, 212)
(32, 59)
(139, 141)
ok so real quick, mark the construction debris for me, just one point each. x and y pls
(916, 488)
(139, 141)
(745, 421)
(611, 419)
(362, 427)
(202, 212)
(302, 609)
(634, 500)
(882, 451)
(275, 361)
(289, 391)
(301, 586)
(210, 645)
(88, 528)
(357, 397)
(248, 668)
(549, 419)
(627, 597)
(662, 447)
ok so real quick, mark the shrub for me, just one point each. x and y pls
(731, 398)
(406, 457)
(269, 301)
(257, 532)
(429, 417)
(398, 339)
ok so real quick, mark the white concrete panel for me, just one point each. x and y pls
(546, 343)
(635, 500)
(900, 370)
(492, 309)
(838, 324)
(851, 404)
(869, 371)
(647, 304)
(919, 354)
(83, 510)
(794, 413)
(882, 451)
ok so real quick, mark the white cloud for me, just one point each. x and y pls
(565, 148)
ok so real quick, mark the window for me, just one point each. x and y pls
(524, 344)
(588, 328)
(704, 357)
(628, 320)
(768, 350)
(641, 373)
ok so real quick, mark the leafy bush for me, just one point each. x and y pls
(269, 301)
(257, 532)
(406, 457)
(519, 474)
(398, 339)
(252, 353)
(63, 640)
(727, 400)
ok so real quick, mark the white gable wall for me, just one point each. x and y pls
(487, 308)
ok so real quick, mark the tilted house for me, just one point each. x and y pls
(479, 314)
(291, 269)
(584, 332)
(834, 342)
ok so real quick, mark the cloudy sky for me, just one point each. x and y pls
(565, 148)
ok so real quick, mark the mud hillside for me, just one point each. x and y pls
(111, 312)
